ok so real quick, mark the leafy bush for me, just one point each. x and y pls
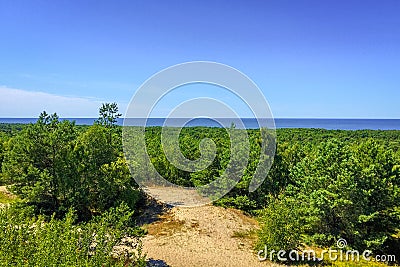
(281, 226)
(337, 191)
(33, 241)
(54, 167)
(240, 202)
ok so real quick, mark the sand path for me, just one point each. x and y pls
(202, 236)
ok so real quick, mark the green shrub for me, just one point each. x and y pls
(281, 226)
(240, 202)
(33, 241)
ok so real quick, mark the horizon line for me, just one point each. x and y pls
(313, 118)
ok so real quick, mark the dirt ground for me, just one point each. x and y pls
(202, 236)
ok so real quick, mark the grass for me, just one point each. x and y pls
(166, 226)
(354, 263)
(251, 234)
(357, 264)
(6, 198)
(337, 263)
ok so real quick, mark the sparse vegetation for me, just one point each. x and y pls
(6, 198)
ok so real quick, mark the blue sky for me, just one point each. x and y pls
(329, 59)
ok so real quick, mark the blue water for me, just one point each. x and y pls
(329, 124)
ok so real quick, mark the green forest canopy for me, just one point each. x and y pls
(323, 185)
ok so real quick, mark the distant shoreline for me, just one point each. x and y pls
(249, 123)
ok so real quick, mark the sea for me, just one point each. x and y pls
(249, 123)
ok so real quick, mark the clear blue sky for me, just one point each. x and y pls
(337, 59)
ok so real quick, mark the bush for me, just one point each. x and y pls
(240, 202)
(281, 226)
(339, 190)
(54, 167)
(33, 241)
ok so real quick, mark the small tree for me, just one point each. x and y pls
(108, 115)
(38, 161)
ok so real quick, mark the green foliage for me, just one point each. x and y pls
(240, 202)
(103, 176)
(323, 185)
(53, 166)
(189, 143)
(33, 241)
(37, 160)
(5, 198)
(281, 226)
(340, 190)
(78, 182)
(108, 114)
(357, 264)
(11, 128)
(343, 184)
(3, 139)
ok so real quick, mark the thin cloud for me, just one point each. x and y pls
(17, 103)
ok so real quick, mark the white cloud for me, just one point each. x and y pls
(17, 103)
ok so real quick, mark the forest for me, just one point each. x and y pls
(76, 200)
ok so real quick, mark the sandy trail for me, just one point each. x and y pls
(203, 236)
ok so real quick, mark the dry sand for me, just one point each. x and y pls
(203, 236)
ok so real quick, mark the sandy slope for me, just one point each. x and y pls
(202, 236)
